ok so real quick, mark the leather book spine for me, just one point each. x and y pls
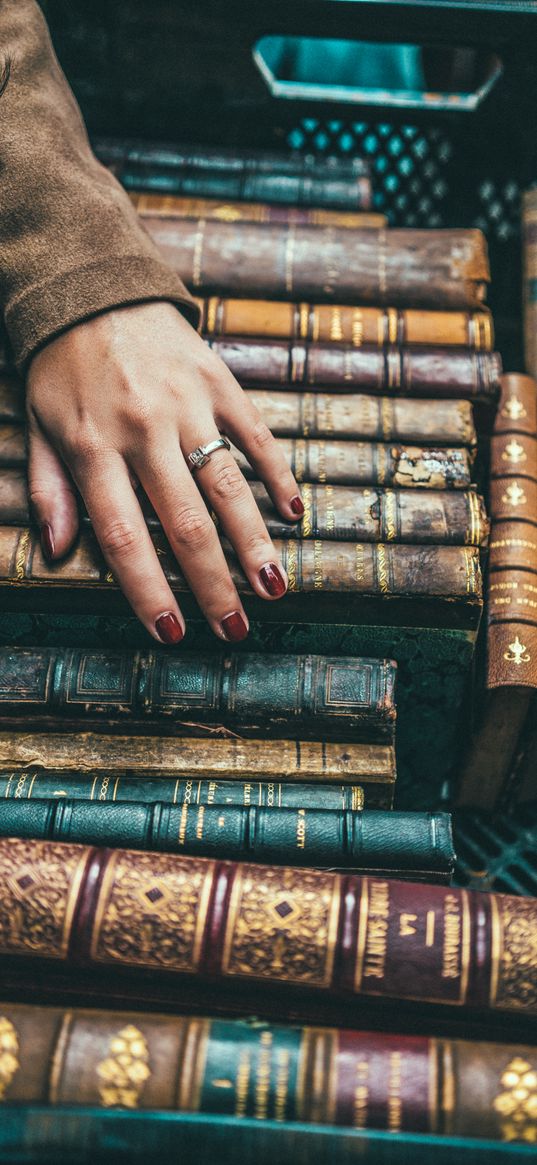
(401, 1083)
(336, 462)
(191, 793)
(299, 695)
(517, 408)
(529, 260)
(408, 845)
(338, 935)
(417, 372)
(331, 567)
(232, 211)
(400, 268)
(359, 463)
(334, 513)
(333, 415)
(331, 193)
(171, 155)
(115, 764)
(344, 324)
(513, 455)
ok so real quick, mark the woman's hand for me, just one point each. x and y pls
(124, 398)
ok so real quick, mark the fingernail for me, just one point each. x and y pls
(234, 627)
(297, 506)
(47, 540)
(169, 628)
(272, 579)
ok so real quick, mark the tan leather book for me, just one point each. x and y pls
(233, 211)
(529, 258)
(342, 323)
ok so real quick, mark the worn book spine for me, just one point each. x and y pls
(529, 258)
(407, 845)
(296, 696)
(337, 513)
(329, 192)
(242, 924)
(398, 268)
(331, 415)
(119, 788)
(251, 1069)
(312, 566)
(417, 372)
(233, 211)
(251, 772)
(317, 461)
(344, 324)
(177, 156)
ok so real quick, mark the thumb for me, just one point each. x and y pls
(51, 495)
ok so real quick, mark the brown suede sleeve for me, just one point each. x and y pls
(71, 244)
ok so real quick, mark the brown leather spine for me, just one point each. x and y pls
(341, 936)
(517, 409)
(404, 268)
(371, 463)
(209, 209)
(529, 257)
(513, 455)
(511, 651)
(513, 498)
(335, 512)
(356, 1079)
(208, 758)
(513, 545)
(417, 372)
(512, 597)
(383, 569)
(344, 324)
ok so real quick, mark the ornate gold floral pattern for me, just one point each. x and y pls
(126, 1068)
(9, 1054)
(282, 924)
(40, 882)
(152, 911)
(516, 1104)
(517, 977)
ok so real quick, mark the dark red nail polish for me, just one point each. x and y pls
(169, 628)
(297, 506)
(47, 540)
(234, 627)
(272, 579)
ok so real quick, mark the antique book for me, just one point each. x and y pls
(217, 770)
(257, 176)
(511, 637)
(234, 211)
(341, 582)
(338, 513)
(418, 846)
(401, 268)
(417, 372)
(255, 929)
(332, 415)
(529, 258)
(292, 696)
(344, 324)
(82, 1135)
(266, 1071)
(318, 461)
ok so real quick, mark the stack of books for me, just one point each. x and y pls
(212, 832)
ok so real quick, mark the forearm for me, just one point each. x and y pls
(71, 244)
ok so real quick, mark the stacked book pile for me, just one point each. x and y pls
(213, 832)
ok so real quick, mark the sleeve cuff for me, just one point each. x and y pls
(48, 308)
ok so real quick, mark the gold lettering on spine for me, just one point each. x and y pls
(262, 1080)
(359, 567)
(242, 1084)
(357, 327)
(318, 576)
(452, 959)
(182, 823)
(395, 1103)
(21, 553)
(330, 515)
(9, 1054)
(361, 1095)
(301, 829)
(198, 253)
(125, 1070)
(321, 461)
(377, 930)
(283, 1061)
(336, 329)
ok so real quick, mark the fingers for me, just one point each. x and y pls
(227, 492)
(249, 432)
(125, 542)
(192, 536)
(51, 495)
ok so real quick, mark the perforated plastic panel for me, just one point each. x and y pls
(497, 853)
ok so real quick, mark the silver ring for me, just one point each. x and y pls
(201, 455)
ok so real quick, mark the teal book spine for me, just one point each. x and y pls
(35, 1135)
(412, 845)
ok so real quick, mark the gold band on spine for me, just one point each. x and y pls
(432, 1084)
(58, 1057)
(386, 408)
(303, 320)
(306, 1041)
(308, 413)
(307, 499)
(212, 308)
(357, 327)
(106, 886)
(363, 919)
(496, 948)
(21, 552)
(291, 565)
(382, 569)
(448, 1088)
(486, 326)
(198, 253)
(390, 516)
(392, 325)
(193, 1061)
(466, 945)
